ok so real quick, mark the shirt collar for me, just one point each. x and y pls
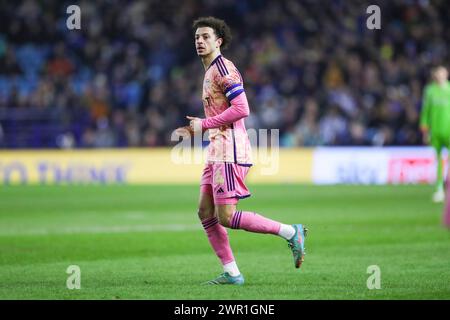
(214, 61)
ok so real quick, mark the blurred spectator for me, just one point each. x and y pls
(307, 130)
(332, 127)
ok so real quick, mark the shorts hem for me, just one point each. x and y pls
(230, 200)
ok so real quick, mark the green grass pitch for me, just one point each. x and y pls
(145, 242)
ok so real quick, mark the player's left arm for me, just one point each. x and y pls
(238, 109)
(232, 87)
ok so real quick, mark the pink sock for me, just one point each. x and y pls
(446, 218)
(218, 238)
(254, 222)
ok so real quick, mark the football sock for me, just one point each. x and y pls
(231, 268)
(446, 218)
(218, 238)
(286, 231)
(440, 177)
(254, 222)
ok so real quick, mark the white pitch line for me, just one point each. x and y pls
(101, 229)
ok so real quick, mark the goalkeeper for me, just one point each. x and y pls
(435, 122)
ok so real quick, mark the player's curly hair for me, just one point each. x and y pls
(220, 27)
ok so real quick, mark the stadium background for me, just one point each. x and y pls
(98, 106)
(130, 75)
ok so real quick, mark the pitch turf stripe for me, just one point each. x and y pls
(100, 229)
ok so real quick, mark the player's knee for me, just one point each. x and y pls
(225, 218)
(205, 212)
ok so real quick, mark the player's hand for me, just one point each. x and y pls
(185, 132)
(195, 124)
(426, 138)
(425, 135)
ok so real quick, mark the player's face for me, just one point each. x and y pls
(206, 41)
(441, 75)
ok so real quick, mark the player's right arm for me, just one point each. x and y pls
(425, 115)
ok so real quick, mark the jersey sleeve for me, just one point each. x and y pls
(238, 109)
(424, 114)
(230, 81)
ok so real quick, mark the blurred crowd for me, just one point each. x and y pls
(311, 69)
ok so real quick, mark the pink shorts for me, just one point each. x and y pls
(225, 181)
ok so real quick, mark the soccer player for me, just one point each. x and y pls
(435, 121)
(229, 155)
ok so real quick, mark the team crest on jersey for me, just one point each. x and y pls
(207, 84)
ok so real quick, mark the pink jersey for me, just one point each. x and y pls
(229, 142)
